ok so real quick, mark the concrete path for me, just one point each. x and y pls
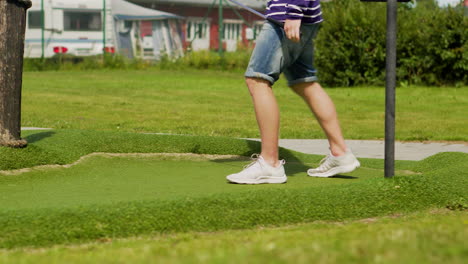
(365, 148)
(375, 148)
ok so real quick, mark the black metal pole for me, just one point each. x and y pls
(390, 88)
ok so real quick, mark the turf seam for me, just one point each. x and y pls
(186, 156)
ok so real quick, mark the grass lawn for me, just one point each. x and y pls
(426, 237)
(138, 206)
(217, 103)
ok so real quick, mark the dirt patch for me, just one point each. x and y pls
(368, 220)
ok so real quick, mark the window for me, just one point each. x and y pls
(197, 29)
(82, 20)
(232, 31)
(34, 19)
(128, 24)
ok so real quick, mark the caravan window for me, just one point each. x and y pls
(82, 20)
(34, 19)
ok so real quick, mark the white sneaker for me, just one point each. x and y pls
(259, 172)
(331, 165)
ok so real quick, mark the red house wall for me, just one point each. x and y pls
(197, 11)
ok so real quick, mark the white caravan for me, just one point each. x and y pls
(79, 28)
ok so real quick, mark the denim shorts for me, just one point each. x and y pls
(274, 54)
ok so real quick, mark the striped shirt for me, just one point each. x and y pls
(307, 10)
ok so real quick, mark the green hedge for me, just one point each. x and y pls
(67, 62)
(192, 60)
(432, 44)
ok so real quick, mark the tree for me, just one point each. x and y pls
(12, 30)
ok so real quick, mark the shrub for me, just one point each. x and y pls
(193, 60)
(351, 44)
(208, 60)
(66, 62)
(432, 44)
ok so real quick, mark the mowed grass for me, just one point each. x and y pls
(179, 209)
(436, 236)
(218, 103)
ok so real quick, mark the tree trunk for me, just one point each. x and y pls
(12, 30)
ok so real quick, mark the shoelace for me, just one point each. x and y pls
(326, 163)
(254, 159)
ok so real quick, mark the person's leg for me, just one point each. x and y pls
(302, 78)
(324, 110)
(267, 114)
(266, 168)
(264, 69)
(341, 159)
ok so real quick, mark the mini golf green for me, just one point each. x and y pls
(129, 189)
(104, 179)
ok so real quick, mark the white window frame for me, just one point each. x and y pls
(232, 29)
(193, 24)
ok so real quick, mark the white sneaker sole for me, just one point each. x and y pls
(336, 170)
(259, 180)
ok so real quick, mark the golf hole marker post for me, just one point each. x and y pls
(390, 84)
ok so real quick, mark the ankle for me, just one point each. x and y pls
(274, 162)
(338, 152)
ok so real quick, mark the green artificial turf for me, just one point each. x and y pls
(107, 180)
(435, 236)
(105, 197)
(215, 103)
(67, 146)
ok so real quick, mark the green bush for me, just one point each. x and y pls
(192, 60)
(432, 44)
(433, 47)
(208, 60)
(67, 62)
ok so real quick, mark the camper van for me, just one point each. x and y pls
(83, 28)
(70, 27)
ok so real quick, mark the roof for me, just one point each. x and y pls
(124, 10)
(257, 4)
(63, 4)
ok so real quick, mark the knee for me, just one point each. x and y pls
(306, 90)
(255, 85)
(251, 83)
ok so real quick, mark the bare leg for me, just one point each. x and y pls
(324, 110)
(267, 114)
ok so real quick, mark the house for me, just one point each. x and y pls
(201, 26)
(83, 28)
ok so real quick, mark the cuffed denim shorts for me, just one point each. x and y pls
(274, 54)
